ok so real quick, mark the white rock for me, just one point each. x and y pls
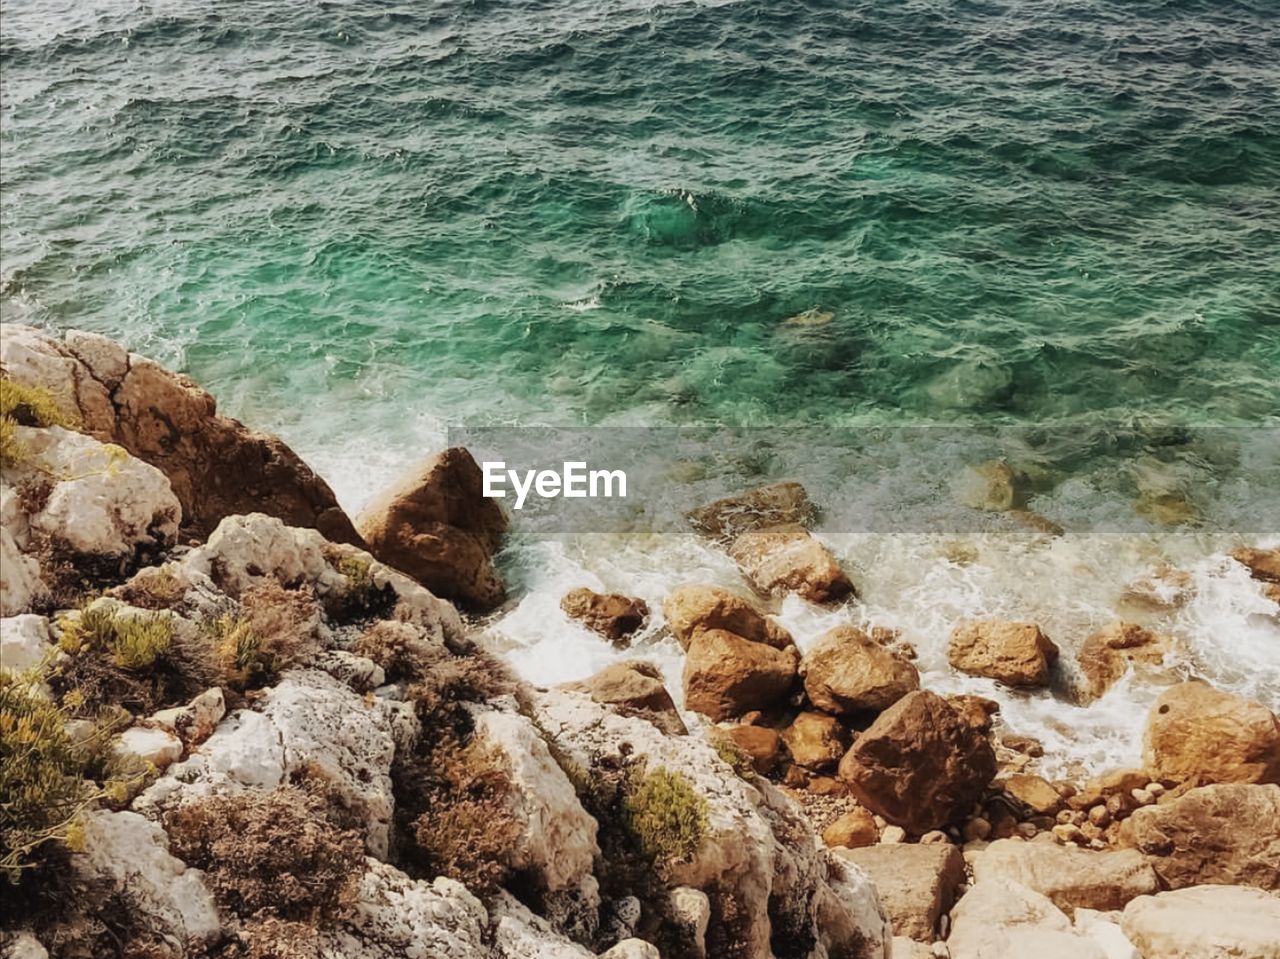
(132, 853)
(1105, 933)
(1205, 922)
(106, 360)
(195, 721)
(558, 837)
(359, 673)
(156, 746)
(401, 918)
(692, 909)
(519, 934)
(632, 949)
(998, 919)
(25, 642)
(33, 358)
(904, 948)
(23, 945)
(20, 575)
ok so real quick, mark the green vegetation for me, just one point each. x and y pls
(731, 753)
(274, 630)
(666, 815)
(238, 650)
(131, 642)
(22, 405)
(363, 598)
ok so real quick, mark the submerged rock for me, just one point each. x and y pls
(1196, 733)
(1017, 654)
(789, 559)
(1111, 651)
(611, 615)
(1263, 564)
(777, 504)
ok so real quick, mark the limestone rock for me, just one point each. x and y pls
(1109, 653)
(25, 642)
(816, 740)
(1263, 564)
(919, 765)
(159, 747)
(789, 559)
(1017, 654)
(854, 830)
(632, 949)
(998, 919)
(21, 945)
(777, 504)
(726, 675)
(1072, 878)
(520, 934)
(611, 615)
(196, 721)
(1205, 922)
(21, 577)
(1106, 934)
(846, 672)
(1196, 733)
(1227, 834)
(693, 609)
(634, 688)
(917, 883)
(437, 526)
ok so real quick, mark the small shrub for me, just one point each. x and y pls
(450, 681)
(732, 754)
(275, 630)
(139, 641)
(666, 815)
(363, 598)
(156, 587)
(398, 648)
(22, 405)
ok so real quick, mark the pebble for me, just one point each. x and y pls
(1027, 830)
(934, 837)
(1142, 797)
(976, 828)
(1099, 816)
(893, 834)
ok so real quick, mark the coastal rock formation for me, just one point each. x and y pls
(846, 672)
(726, 675)
(919, 765)
(917, 883)
(994, 486)
(777, 504)
(1199, 734)
(1111, 651)
(1205, 922)
(437, 526)
(611, 615)
(1263, 564)
(998, 918)
(1017, 654)
(215, 465)
(816, 740)
(1228, 834)
(1070, 877)
(634, 689)
(693, 609)
(789, 559)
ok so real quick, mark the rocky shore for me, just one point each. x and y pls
(238, 723)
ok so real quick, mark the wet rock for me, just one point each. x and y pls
(693, 609)
(1205, 922)
(1110, 652)
(789, 559)
(845, 672)
(611, 615)
(1017, 654)
(437, 526)
(919, 765)
(1160, 589)
(634, 688)
(977, 711)
(726, 675)
(1072, 878)
(853, 830)
(816, 740)
(1263, 564)
(917, 883)
(776, 504)
(993, 486)
(1196, 733)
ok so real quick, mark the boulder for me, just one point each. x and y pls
(1034, 794)
(758, 743)
(1263, 564)
(437, 526)
(1196, 733)
(1104, 932)
(215, 465)
(854, 830)
(726, 675)
(25, 642)
(993, 486)
(777, 504)
(1110, 652)
(846, 672)
(611, 615)
(919, 765)
(1205, 922)
(789, 559)
(693, 609)
(1071, 877)
(998, 919)
(816, 740)
(634, 688)
(1227, 834)
(1016, 654)
(917, 883)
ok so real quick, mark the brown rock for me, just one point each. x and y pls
(1071, 877)
(1161, 589)
(917, 883)
(846, 672)
(816, 740)
(919, 765)
(788, 559)
(853, 830)
(977, 711)
(1196, 733)
(1227, 833)
(1017, 654)
(437, 526)
(758, 743)
(777, 504)
(1034, 794)
(634, 688)
(726, 675)
(1264, 564)
(993, 486)
(1107, 654)
(693, 609)
(612, 615)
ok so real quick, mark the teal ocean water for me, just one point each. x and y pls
(361, 222)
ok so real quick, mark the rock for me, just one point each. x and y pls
(22, 945)
(777, 504)
(557, 842)
(891, 835)
(215, 465)
(1033, 793)
(437, 526)
(1205, 922)
(691, 911)
(159, 747)
(726, 675)
(690, 610)
(1263, 564)
(846, 672)
(21, 582)
(1072, 878)
(998, 919)
(1017, 654)
(919, 765)
(634, 688)
(977, 711)
(758, 743)
(816, 740)
(994, 486)
(194, 722)
(788, 559)
(1160, 589)
(1196, 733)
(904, 948)
(358, 672)
(632, 949)
(917, 883)
(612, 615)
(1109, 653)
(25, 642)
(853, 830)
(1104, 933)
(1226, 834)
(131, 855)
